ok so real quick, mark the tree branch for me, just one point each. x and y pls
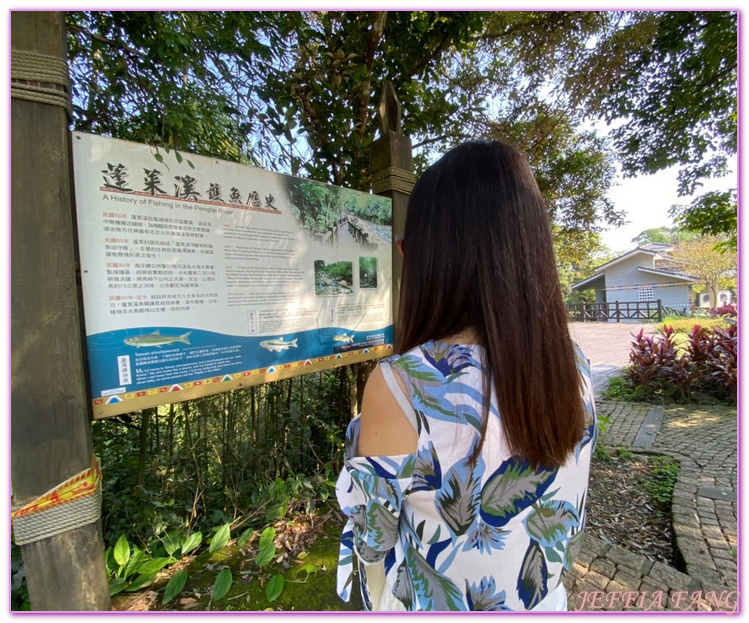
(106, 41)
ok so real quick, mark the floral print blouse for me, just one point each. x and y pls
(495, 536)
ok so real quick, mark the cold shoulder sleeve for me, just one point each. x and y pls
(370, 492)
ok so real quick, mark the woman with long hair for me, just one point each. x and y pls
(466, 473)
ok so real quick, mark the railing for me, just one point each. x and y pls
(645, 311)
(676, 311)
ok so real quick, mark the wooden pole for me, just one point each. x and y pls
(50, 422)
(392, 170)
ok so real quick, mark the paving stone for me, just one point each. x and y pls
(717, 543)
(690, 532)
(669, 576)
(724, 554)
(723, 564)
(709, 521)
(704, 441)
(690, 547)
(593, 545)
(579, 567)
(604, 567)
(626, 577)
(596, 579)
(654, 597)
(623, 557)
(707, 575)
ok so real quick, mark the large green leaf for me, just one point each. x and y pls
(175, 585)
(116, 585)
(222, 584)
(154, 565)
(275, 587)
(245, 536)
(172, 541)
(140, 582)
(122, 551)
(191, 542)
(136, 557)
(266, 548)
(220, 539)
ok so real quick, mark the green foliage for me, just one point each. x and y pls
(220, 539)
(266, 548)
(275, 587)
(701, 258)
(602, 454)
(711, 214)
(131, 568)
(222, 584)
(664, 470)
(620, 389)
(704, 369)
(175, 585)
(624, 454)
(672, 77)
(19, 590)
(684, 325)
(663, 235)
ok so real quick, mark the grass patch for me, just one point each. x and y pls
(684, 325)
(659, 484)
(620, 390)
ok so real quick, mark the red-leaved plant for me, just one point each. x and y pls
(708, 363)
(724, 310)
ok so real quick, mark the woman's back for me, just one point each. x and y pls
(456, 534)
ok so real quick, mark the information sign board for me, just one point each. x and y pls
(201, 276)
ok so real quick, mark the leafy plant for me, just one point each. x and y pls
(275, 587)
(19, 590)
(664, 471)
(131, 568)
(723, 311)
(222, 584)
(266, 548)
(706, 368)
(175, 585)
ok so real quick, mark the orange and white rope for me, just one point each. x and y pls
(72, 504)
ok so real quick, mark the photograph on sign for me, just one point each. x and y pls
(201, 275)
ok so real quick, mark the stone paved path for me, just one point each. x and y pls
(704, 440)
(606, 345)
(704, 508)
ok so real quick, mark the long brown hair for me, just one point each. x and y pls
(477, 255)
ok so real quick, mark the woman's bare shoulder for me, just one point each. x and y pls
(385, 428)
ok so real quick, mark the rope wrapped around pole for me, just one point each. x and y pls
(393, 178)
(40, 78)
(72, 504)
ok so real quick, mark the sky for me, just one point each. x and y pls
(646, 200)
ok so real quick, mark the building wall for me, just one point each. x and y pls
(625, 273)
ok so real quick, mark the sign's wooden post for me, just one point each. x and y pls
(50, 424)
(392, 175)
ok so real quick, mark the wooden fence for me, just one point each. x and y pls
(644, 311)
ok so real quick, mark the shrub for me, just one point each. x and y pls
(686, 324)
(724, 310)
(707, 367)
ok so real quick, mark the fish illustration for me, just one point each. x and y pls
(278, 345)
(342, 337)
(156, 339)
